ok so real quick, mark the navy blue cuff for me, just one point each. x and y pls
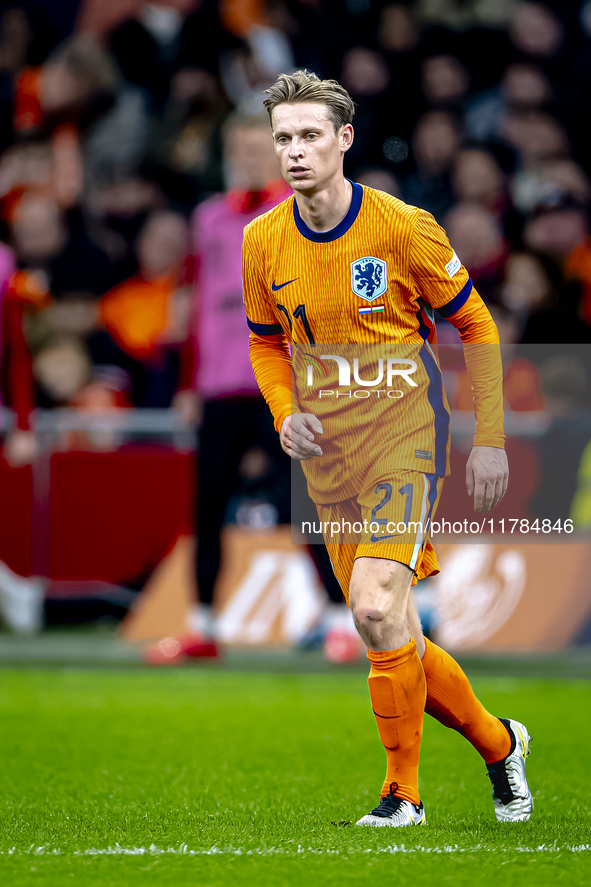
(265, 329)
(457, 302)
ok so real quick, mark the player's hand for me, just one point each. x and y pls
(487, 476)
(297, 436)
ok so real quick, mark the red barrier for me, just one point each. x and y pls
(16, 515)
(112, 516)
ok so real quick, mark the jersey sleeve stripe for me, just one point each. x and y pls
(264, 329)
(456, 303)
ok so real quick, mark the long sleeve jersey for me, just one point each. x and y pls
(364, 291)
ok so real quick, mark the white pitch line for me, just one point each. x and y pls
(184, 850)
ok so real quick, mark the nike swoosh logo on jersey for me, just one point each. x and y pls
(279, 286)
(374, 538)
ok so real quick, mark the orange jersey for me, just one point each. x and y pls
(374, 280)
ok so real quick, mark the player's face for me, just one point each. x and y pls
(310, 152)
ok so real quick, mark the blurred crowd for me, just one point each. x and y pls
(119, 118)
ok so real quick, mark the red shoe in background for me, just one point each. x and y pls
(343, 645)
(176, 650)
(199, 647)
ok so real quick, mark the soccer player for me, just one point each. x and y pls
(311, 268)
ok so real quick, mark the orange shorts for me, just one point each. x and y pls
(399, 506)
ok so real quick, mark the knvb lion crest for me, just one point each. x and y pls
(369, 278)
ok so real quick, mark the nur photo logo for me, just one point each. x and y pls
(376, 372)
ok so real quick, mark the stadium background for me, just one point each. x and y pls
(113, 115)
(113, 120)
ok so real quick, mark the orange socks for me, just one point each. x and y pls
(451, 700)
(398, 685)
(397, 689)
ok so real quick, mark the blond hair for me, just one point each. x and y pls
(305, 86)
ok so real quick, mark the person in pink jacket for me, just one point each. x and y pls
(236, 435)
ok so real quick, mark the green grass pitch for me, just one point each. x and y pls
(207, 777)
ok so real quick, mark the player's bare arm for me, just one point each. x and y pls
(298, 436)
(487, 476)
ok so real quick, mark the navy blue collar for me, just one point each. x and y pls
(341, 228)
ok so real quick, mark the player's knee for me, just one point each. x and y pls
(375, 618)
(368, 615)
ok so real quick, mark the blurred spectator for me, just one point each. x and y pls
(378, 178)
(524, 87)
(527, 287)
(25, 167)
(144, 318)
(467, 14)
(550, 183)
(398, 29)
(477, 178)
(398, 35)
(556, 232)
(99, 18)
(57, 246)
(557, 319)
(144, 50)
(185, 147)
(117, 210)
(435, 142)
(170, 103)
(61, 369)
(15, 37)
(38, 230)
(562, 234)
(477, 238)
(536, 137)
(208, 36)
(364, 72)
(536, 31)
(245, 74)
(365, 75)
(445, 82)
(76, 83)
